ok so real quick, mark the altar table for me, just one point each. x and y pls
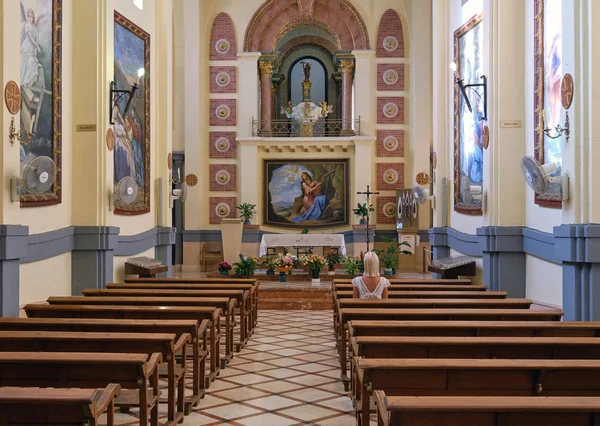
(302, 240)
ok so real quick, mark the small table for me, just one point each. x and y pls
(143, 271)
(298, 241)
(453, 267)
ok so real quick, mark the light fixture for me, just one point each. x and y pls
(120, 92)
(463, 89)
(558, 129)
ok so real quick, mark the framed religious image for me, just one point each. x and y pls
(547, 101)
(41, 90)
(468, 124)
(305, 193)
(132, 128)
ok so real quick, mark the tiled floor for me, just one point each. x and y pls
(287, 375)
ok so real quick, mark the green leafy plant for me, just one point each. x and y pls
(247, 211)
(304, 231)
(350, 264)
(389, 256)
(362, 210)
(245, 267)
(269, 263)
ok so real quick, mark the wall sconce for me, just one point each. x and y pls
(463, 88)
(559, 129)
(113, 102)
(14, 136)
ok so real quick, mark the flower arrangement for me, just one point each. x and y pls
(351, 264)
(224, 267)
(333, 258)
(246, 266)
(283, 262)
(313, 261)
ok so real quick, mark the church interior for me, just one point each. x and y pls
(205, 189)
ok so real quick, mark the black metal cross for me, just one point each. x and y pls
(368, 193)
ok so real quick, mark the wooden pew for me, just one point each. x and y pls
(486, 410)
(227, 306)
(212, 314)
(241, 296)
(347, 315)
(411, 281)
(250, 288)
(39, 406)
(421, 287)
(455, 377)
(400, 294)
(198, 333)
(144, 343)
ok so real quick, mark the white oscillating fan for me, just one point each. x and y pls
(539, 176)
(125, 192)
(37, 177)
(471, 194)
(179, 194)
(421, 195)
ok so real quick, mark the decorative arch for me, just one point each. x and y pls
(390, 36)
(223, 46)
(275, 18)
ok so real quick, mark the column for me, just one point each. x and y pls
(92, 257)
(247, 94)
(163, 250)
(13, 247)
(347, 70)
(249, 169)
(365, 105)
(266, 74)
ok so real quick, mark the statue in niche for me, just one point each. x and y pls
(306, 65)
(325, 109)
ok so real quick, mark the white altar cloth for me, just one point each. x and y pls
(302, 240)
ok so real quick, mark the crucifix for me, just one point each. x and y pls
(368, 194)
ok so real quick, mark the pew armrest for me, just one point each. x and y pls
(382, 408)
(152, 364)
(181, 342)
(108, 394)
(203, 333)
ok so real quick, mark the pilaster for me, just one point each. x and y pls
(92, 257)
(163, 250)
(13, 247)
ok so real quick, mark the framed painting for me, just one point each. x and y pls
(468, 124)
(132, 128)
(306, 193)
(41, 90)
(547, 96)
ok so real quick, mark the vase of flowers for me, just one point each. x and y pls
(333, 258)
(315, 263)
(224, 268)
(283, 263)
(245, 267)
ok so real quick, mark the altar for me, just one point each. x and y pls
(302, 240)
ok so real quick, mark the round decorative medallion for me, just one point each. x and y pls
(191, 180)
(389, 209)
(390, 110)
(170, 161)
(222, 210)
(423, 179)
(222, 144)
(390, 77)
(222, 46)
(566, 89)
(485, 137)
(110, 139)
(223, 79)
(434, 159)
(390, 143)
(390, 176)
(390, 43)
(12, 97)
(223, 112)
(222, 177)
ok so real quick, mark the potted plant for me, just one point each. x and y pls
(224, 268)
(270, 265)
(333, 258)
(247, 212)
(245, 267)
(283, 263)
(315, 263)
(362, 211)
(391, 253)
(350, 264)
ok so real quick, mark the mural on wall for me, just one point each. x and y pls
(132, 129)
(306, 193)
(468, 125)
(547, 94)
(40, 81)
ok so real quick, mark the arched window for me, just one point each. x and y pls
(318, 78)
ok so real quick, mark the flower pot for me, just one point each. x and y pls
(331, 272)
(387, 271)
(270, 272)
(247, 222)
(315, 281)
(282, 277)
(314, 273)
(224, 272)
(393, 271)
(363, 222)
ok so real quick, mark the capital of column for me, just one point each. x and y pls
(346, 65)
(265, 67)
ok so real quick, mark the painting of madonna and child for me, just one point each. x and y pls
(306, 193)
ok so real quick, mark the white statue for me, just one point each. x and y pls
(307, 111)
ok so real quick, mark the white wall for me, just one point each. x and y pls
(40, 280)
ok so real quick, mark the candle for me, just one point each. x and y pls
(31, 125)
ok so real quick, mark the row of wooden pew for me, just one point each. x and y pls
(445, 352)
(119, 342)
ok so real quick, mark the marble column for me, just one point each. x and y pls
(266, 74)
(347, 69)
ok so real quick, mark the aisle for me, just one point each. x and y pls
(287, 375)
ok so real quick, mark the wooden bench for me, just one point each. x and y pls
(144, 343)
(39, 406)
(454, 377)
(347, 315)
(252, 289)
(198, 333)
(486, 410)
(241, 296)
(226, 305)
(420, 287)
(213, 315)
(401, 294)
(412, 281)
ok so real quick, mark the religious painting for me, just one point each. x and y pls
(40, 83)
(132, 127)
(306, 193)
(468, 122)
(547, 93)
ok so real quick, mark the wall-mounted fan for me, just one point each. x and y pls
(471, 194)
(125, 192)
(421, 195)
(539, 176)
(37, 177)
(179, 194)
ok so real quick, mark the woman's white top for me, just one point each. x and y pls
(364, 292)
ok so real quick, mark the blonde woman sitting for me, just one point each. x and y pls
(370, 285)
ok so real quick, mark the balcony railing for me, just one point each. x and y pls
(318, 129)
